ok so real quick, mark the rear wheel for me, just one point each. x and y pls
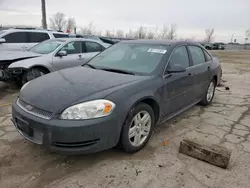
(207, 99)
(32, 74)
(138, 128)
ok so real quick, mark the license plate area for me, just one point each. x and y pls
(24, 126)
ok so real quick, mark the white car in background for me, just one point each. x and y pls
(24, 39)
(48, 56)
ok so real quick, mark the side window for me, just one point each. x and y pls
(93, 47)
(57, 35)
(72, 48)
(37, 37)
(197, 55)
(17, 37)
(207, 56)
(179, 56)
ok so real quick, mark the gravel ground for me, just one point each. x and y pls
(225, 122)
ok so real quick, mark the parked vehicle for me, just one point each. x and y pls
(46, 57)
(106, 42)
(24, 39)
(116, 97)
(219, 46)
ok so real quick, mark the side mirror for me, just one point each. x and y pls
(2, 40)
(62, 53)
(176, 68)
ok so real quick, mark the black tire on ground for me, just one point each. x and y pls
(205, 100)
(32, 74)
(125, 140)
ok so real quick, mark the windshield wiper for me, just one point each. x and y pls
(91, 66)
(118, 71)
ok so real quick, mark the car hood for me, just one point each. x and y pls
(15, 55)
(27, 63)
(58, 90)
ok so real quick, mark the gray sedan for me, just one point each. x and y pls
(117, 97)
(53, 55)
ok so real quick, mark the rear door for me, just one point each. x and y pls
(73, 57)
(91, 49)
(178, 87)
(15, 40)
(201, 65)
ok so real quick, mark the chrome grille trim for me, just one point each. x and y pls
(33, 110)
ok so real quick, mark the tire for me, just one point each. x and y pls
(132, 144)
(32, 73)
(210, 91)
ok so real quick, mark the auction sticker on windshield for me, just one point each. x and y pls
(154, 50)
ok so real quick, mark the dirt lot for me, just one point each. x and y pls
(225, 122)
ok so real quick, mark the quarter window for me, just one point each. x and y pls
(93, 47)
(17, 37)
(179, 56)
(72, 48)
(197, 55)
(37, 37)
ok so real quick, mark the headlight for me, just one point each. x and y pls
(89, 110)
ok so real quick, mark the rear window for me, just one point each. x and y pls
(57, 35)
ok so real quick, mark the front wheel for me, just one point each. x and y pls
(207, 99)
(32, 74)
(138, 128)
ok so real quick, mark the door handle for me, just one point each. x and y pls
(189, 74)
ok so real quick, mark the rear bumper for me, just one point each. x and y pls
(67, 136)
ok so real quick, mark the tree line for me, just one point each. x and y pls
(59, 21)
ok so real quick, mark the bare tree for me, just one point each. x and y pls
(172, 32)
(71, 24)
(141, 32)
(209, 35)
(164, 32)
(58, 21)
(44, 20)
(89, 29)
(108, 33)
(119, 33)
(150, 35)
(131, 34)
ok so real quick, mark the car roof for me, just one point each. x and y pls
(160, 42)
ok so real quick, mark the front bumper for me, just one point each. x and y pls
(68, 136)
(11, 73)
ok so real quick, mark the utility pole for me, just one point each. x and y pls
(44, 22)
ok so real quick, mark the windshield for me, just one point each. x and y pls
(46, 47)
(137, 58)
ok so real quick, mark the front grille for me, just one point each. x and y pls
(33, 110)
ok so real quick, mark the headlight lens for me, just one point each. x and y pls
(89, 110)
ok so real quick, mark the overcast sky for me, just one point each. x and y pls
(192, 17)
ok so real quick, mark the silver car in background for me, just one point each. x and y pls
(53, 55)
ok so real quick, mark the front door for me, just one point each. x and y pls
(178, 87)
(73, 58)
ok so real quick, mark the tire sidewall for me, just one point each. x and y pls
(125, 142)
